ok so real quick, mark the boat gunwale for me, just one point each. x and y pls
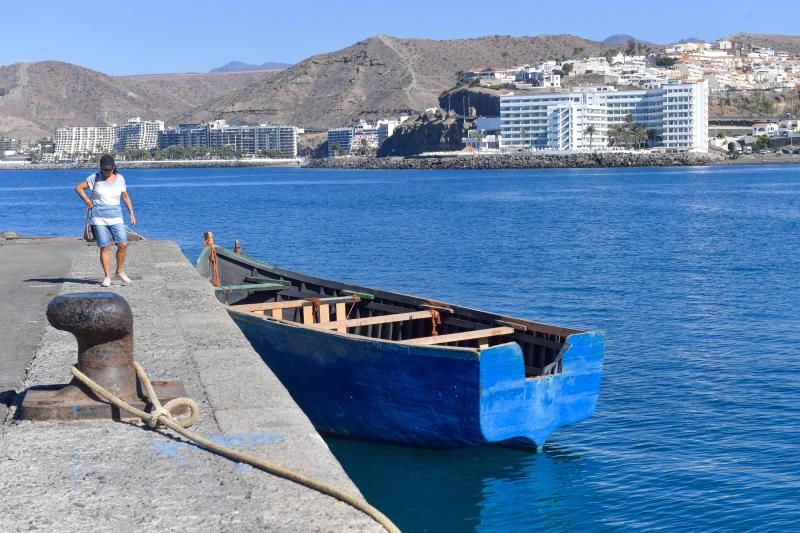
(537, 327)
(363, 338)
(432, 348)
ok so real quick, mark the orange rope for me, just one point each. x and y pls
(212, 258)
(436, 320)
(356, 299)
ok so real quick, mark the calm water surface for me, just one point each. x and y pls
(692, 273)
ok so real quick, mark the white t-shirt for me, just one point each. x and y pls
(107, 195)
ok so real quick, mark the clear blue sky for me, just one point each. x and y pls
(139, 37)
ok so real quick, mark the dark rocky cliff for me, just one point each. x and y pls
(428, 132)
(472, 101)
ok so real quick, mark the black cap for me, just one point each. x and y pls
(106, 162)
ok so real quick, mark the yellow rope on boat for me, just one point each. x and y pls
(161, 415)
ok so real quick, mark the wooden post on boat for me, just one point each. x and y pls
(308, 314)
(324, 313)
(341, 314)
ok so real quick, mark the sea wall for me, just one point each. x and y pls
(499, 161)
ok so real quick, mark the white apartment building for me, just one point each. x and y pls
(580, 120)
(692, 71)
(365, 136)
(386, 127)
(76, 140)
(139, 134)
(339, 141)
(251, 140)
(348, 141)
(592, 65)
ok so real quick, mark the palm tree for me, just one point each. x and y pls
(522, 133)
(653, 136)
(638, 135)
(590, 131)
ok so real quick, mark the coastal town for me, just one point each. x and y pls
(636, 98)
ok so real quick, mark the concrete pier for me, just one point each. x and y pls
(106, 475)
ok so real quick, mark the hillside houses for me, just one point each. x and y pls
(726, 65)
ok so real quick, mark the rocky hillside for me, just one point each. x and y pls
(753, 104)
(785, 43)
(36, 98)
(381, 76)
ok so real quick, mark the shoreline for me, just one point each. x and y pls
(175, 163)
(452, 162)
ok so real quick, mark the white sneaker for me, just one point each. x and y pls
(106, 282)
(124, 277)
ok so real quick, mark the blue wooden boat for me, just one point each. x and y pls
(376, 365)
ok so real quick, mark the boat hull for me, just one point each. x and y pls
(423, 395)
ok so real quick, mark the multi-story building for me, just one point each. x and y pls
(339, 141)
(7, 144)
(366, 137)
(252, 140)
(362, 137)
(139, 134)
(386, 127)
(84, 140)
(77, 140)
(580, 120)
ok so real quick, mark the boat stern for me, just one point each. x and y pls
(522, 411)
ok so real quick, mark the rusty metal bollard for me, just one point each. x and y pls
(102, 323)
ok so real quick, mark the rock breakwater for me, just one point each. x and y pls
(501, 161)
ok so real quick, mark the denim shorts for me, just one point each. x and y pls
(103, 234)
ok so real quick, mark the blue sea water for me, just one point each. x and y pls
(694, 274)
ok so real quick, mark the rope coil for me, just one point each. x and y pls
(162, 416)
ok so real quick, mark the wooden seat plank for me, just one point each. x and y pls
(288, 304)
(371, 320)
(462, 336)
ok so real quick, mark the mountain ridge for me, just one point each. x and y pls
(238, 66)
(381, 76)
(40, 97)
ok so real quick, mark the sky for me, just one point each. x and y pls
(168, 36)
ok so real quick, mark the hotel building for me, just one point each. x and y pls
(252, 140)
(85, 140)
(137, 133)
(562, 120)
(339, 141)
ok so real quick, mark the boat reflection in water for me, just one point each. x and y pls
(468, 489)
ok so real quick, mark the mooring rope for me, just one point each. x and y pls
(212, 258)
(161, 415)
